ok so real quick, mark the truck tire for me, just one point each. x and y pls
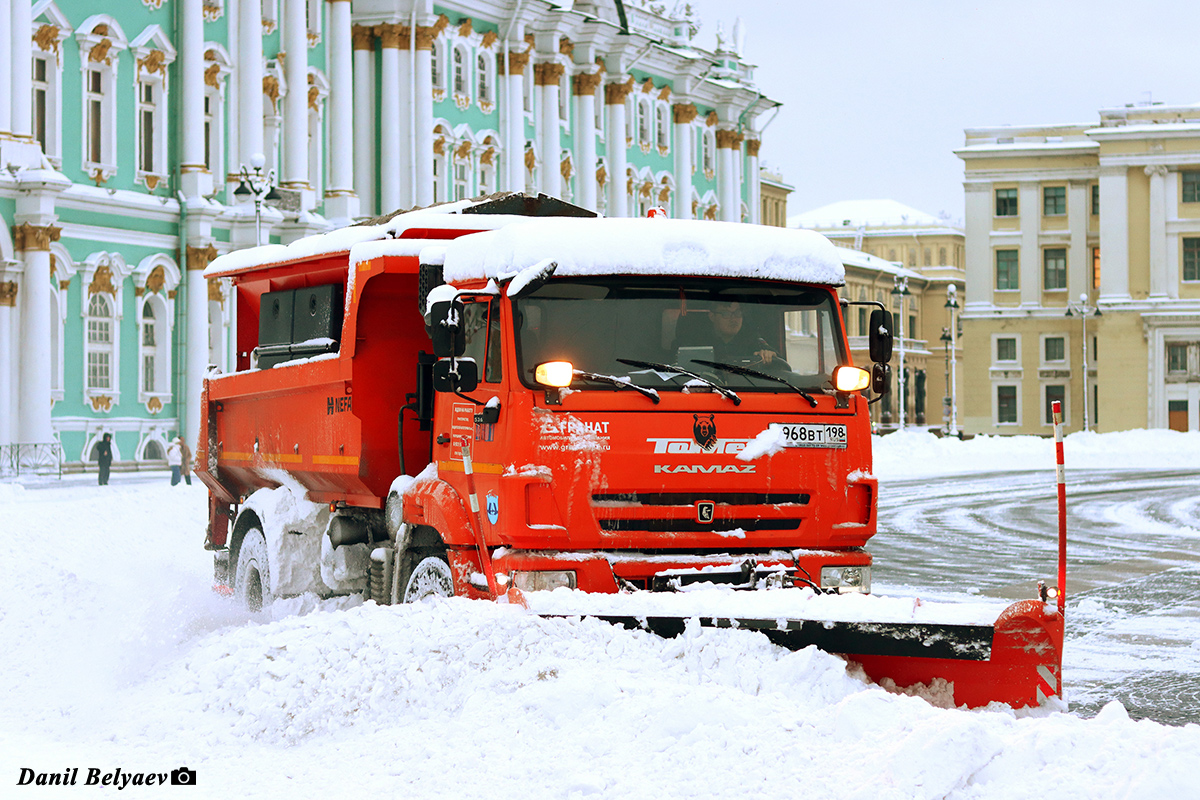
(429, 578)
(252, 580)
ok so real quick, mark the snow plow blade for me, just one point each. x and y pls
(1016, 661)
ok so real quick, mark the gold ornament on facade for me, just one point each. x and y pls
(99, 176)
(529, 40)
(463, 150)
(101, 402)
(695, 206)
(139, 291)
(530, 159)
(664, 94)
(392, 36)
(488, 40)
(600, 64)
(28, 236)
(154, 405)
(46, 39)
(488, 156)
(198, 257)
(439, 146)
(711, 119)
(709, 174)
(314, 97)
(648, 86)
(425, 36)
(212, 76)
(752, 146)
(156, 280)
(212, 11)
(518, 61)
(151, 182)
(566, 168)
(268, 26)
(645, 148)
(585, 83)
(155, 61)
(664, 194)
(270, 86)
(314, 39)
(462, 101)
(566, 46)
(64, 285)
(601, 176)
(487, 106)
(362, 37)
(729, 139)
(102, 282)
(215, 295)
(465, 27)
(683, 113)
(646, 189)
(8, 293)
(615, 93)
(153, 5)
(710, 213)
(548, 74)
(100, 51)
(171, 294)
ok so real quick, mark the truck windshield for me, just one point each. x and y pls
(787, 331)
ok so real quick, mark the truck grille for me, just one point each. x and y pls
(675, 512)
(681, 525)
(691, 498)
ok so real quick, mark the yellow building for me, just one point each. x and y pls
(774, 193)
(1045, 314)
(891, 249)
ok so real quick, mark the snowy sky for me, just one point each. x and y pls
(877, 94)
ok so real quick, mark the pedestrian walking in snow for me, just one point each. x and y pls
(104, 457)
(175, 459)
(185, 462)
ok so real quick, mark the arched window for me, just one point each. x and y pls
(643, 123)
(99, 342)
(942, 256)
(155, 350)
(483, 78)
(630, 118)
(708, 153)
(663, 126)
(460, 71)
(564, 98)
(437, 65)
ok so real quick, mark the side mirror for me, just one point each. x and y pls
(446, 330)
(881, 378)
(455, 375)
(881, 336)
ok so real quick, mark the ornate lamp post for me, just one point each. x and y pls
(950, 337)
(260, 186)
(1084, 311)
(900, 290)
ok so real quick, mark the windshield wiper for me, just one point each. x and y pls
(654, 365)
(735, 369)
(621, 383)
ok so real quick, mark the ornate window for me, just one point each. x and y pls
(460, 70)
(100, 342)
(483, 78)
(100, 44)
(663, 127)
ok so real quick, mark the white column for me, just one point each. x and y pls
(682, 115)
(8, 300)
(726, 175)
(1158, 231)
(1030, 258)
(233, 151)
(1114, 234)
(753, 179)
(197, 339)
(364, 117)
(22, 70)
(584, 87)
(514, 134)
(250, 78)
(6, 68)
(547, 76)
(977, 249)
(423, 115)
(407, 120)
(614, 100)
(194, 180)
(1079, 273)
(33, 381)
(389, 119)
(295, 102)
(340, 202)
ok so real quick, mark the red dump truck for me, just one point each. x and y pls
(506, 393)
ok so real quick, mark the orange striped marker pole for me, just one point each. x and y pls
(1056, 408)
(485, 558)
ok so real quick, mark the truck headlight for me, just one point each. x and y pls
(544, 580)
(846, 579)
(554, 373)
(850, 379)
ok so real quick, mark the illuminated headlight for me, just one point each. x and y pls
(846, 579)
(554, 373)
(851, 379)
(544, 581)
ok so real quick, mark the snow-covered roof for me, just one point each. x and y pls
(851, 214)
(647, 246)
(857, 258)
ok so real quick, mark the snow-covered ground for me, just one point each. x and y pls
(116, 655)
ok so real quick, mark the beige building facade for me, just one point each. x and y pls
(774, 193)
(1083, 273)
(904, 259)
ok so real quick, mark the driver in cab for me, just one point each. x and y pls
(732, 341)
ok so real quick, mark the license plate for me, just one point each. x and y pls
(803, 434)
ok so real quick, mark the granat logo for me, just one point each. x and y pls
(95, 776)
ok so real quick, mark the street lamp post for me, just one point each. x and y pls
(900, 290)
(259, 185)
(951, 339)
(1084, 311)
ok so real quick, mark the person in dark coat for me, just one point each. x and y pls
(732, 342)
(104, 457)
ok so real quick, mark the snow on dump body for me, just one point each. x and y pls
(801, 604)
(647, 246)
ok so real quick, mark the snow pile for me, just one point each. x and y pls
(647, 246)
(915, 453)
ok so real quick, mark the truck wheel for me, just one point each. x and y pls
(429, 578)
(252, 581)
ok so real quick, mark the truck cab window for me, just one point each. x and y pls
(481, 321)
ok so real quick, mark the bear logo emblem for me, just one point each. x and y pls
(705, 431)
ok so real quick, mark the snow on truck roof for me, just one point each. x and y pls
(581, 246)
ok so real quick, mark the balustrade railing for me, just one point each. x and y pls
(36, 457)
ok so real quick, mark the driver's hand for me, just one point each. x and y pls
(765, 356)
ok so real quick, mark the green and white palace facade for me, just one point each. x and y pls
(124, 127)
